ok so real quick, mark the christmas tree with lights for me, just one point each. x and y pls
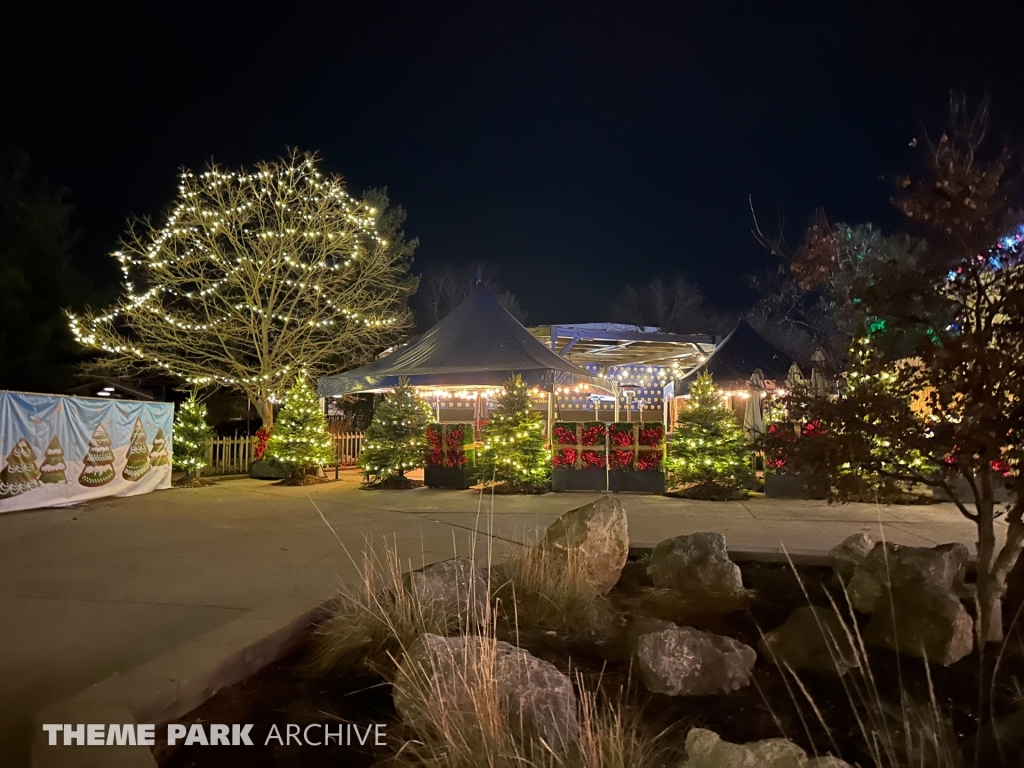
(137, 463)
(21, 474)
(300, 440)
(192, 437)
(513, 450)
(708, 454)
(99, 461)
(396, 440)
(53, 469)
(158, 453)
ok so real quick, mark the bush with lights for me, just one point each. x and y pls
(300, 440)
(192, 436)
(708, 453)
(396, 439)
(513, 448)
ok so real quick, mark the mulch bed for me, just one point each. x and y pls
(286, 693)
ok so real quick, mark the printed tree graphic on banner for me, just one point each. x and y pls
(21, 474)
(138, 454)
(53, 467)
(158, 453)
(99, 462)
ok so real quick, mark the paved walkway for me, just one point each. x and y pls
(101, 588)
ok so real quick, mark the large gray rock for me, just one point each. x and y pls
(922, 621)
(705, 749)
(846, 556)
(683, 661)
(595, 538)
(893, 565)
(454, 588)
(697, 563)
(813, 638)
(454, 679)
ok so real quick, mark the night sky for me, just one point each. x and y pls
(576, 148)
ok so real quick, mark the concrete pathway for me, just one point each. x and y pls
(101, 588)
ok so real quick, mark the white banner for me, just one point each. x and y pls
(57, 450)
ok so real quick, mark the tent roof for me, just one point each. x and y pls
(478, 344)
(736, 358)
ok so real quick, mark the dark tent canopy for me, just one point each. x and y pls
(478, 344)
(736, 358)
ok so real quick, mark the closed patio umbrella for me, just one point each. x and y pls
(753, 414)
(795, 378)
(819, 384)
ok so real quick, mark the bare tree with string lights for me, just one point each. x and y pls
(255, 275)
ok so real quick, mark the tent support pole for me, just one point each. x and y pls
(616, 391)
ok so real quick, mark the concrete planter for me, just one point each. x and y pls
(795, 487)
(578, 480)
(636, 481)
(268, 470)
(458, 478)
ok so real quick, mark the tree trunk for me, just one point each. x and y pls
(265, 409)
(990, 590)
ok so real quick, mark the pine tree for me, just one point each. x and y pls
(708, 451)
(99, 461)
(53, 469)
(137, 463)
(513, 449)
(158, 453)
(21, 474)
(396, 440)
(300, 439)
(192, 437)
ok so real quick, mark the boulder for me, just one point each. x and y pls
(455, 588)
(698, 563)
(705, 749)
(923, 621)
(595, 538)
(454, 679)
(892, 565)
(846, 556)
(683, 661)
(813, 638)
(677, 606)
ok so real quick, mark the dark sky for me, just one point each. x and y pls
(575, 147)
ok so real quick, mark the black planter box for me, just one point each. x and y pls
(578, 480)
(795, 487)
(268, 470)
(636, 481)
(458, 478)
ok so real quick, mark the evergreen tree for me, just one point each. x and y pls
(300, 439)
(708, 451)
(513, 448)
(192, 437)
(396, 440)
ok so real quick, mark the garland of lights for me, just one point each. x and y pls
(252, 278)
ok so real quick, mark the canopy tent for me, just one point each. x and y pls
(478, 345)
(734, 360)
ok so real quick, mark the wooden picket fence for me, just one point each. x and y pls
(232, 455)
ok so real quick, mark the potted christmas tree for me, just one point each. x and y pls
(708, 454)
(21, 474)
(513, 451)
(99, 461)
(300, 441)
(449, 464)
(192, 437)
(54, 469)
(137, 463)
(396, 439)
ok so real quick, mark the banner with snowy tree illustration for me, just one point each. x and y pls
(57, 450)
